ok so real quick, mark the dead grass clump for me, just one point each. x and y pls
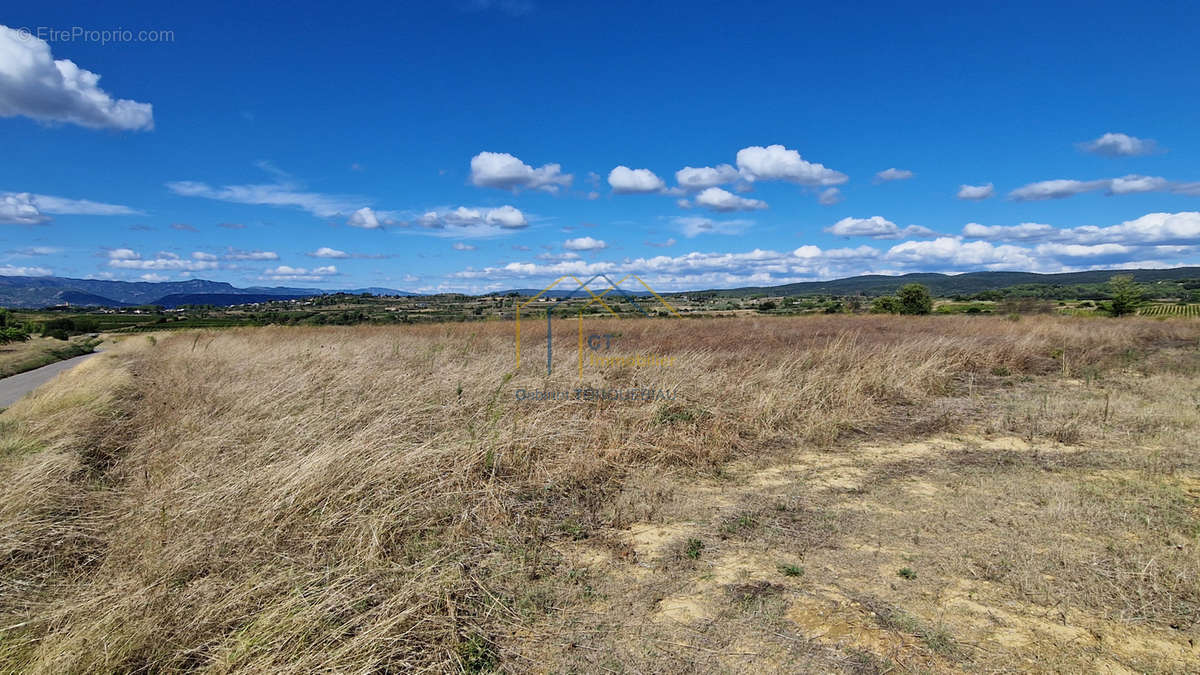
(758, 597)
(937, 638)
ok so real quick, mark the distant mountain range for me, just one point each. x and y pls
(35, 292)
(956, 284)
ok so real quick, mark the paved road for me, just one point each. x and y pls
(13, 388)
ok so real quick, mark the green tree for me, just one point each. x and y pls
(885, 304)
(915, 299)
(1126, 295)
(13, 334)
(63, 326)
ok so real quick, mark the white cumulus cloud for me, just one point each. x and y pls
(722, 200)
(505, 216)
(1062, 188)
(289, 273)
(625, 180)
(584, 244)
(504, 171)
(976, 192)
(1133, 184)
(1055, 189)
(829, 196)
(475, 222)
(1024, 231)
(1152, 228)
(1119, 145)
(326, 252)
(36, 85)
(893, 174)
(876, 227)
(24, 271)
(1156, 229)
(699, 178)
(954, 253)
(1083, 250)
(163, 261)
(776, 162)
(368, 219)
(19, 209)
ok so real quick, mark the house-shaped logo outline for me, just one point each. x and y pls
(583, 285)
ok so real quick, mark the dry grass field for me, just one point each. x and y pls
(849, 494)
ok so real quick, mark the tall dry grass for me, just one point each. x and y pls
(293, 499)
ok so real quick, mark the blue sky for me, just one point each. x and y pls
(481, 145)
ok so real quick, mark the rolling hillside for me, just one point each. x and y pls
(965, 284)
(35, 292)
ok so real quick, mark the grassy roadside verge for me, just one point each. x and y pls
(21, 357)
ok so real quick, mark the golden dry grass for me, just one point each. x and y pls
(18, 357)
(374, 499)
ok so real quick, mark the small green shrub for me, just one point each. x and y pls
(574, 529)
(736, 525)
(887, 304)
(674, 414)
(791, 570)
(478, 655)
